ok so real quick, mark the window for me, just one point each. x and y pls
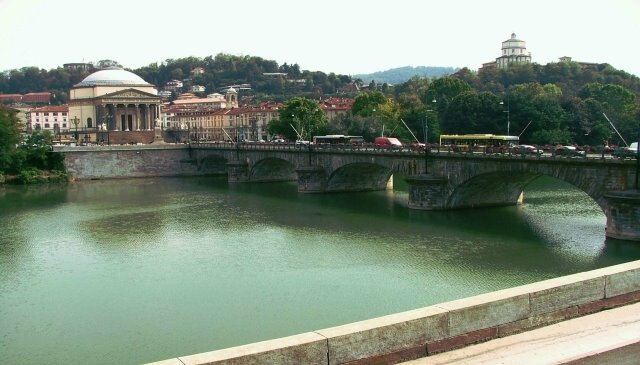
(37, 126)
(64, 114)
(46, 114)
(55, 114)
(46, 125)
(64, 125)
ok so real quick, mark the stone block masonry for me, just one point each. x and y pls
(442, 327)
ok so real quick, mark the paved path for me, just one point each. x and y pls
(586, 341)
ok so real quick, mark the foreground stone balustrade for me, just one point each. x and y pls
(442, 327)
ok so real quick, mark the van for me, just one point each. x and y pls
(388, 142)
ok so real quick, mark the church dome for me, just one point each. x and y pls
(111, 77)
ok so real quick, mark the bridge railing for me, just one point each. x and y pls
(519, 152)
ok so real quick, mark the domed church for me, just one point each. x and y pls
(114, 106)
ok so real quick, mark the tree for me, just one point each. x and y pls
(617, 102)
(443, 90)
(299, 116)
(107, 64)
(37, 152)
(366, 104)
(9, 137)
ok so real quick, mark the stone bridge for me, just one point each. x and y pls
(454, 180)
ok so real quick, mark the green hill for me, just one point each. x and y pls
(399, 75)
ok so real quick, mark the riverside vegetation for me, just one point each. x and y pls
(28, 159)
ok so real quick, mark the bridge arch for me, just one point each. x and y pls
(272, 169)
(503, 185)
(359, 176)
(490, 189)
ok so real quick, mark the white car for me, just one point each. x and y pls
(526, 149)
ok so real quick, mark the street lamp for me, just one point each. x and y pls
(426, 139)
(75, 122)
(105, 127)
(638, 158)
(508, 112)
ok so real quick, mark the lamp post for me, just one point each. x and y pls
(104, 127)
(638, 158)
(426, 138)
(508, 111)
(75, 122)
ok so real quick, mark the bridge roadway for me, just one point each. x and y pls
(453, 181)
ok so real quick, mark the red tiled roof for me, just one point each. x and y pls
(42, 97)
(16, 97)
(52, 108)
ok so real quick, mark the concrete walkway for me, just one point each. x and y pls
(607, 337)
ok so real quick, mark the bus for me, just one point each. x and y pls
(488, 143)
(337, 139)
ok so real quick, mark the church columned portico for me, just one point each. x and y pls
(123, 117)
(129, 117)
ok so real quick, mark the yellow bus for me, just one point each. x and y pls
(488, 143)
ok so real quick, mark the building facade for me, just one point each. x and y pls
(114, 100)
(54, 118)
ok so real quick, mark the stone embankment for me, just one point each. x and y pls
(447, 326)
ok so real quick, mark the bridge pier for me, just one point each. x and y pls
(623, 215)
(311, 179)
(237, 171)
(427, 192)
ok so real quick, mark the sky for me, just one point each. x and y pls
(341, 36)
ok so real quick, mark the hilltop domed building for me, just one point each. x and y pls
(116, 101)
(514, 51)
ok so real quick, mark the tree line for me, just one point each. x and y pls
(280, 82)
(559, 103)
(562, 102)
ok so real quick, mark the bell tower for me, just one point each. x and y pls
(231, 96)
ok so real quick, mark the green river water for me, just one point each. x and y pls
(134, 271)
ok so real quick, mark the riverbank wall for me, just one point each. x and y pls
(442, 327)
(129, 161)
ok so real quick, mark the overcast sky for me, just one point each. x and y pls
(341, 36)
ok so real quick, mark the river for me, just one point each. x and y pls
(134, 271)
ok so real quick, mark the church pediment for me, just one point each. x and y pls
(129, 94)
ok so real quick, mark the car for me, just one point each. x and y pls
(624, 152)
(278, 140)
(418, 146)
(568, 151)
(526, 149)
(301, 142)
